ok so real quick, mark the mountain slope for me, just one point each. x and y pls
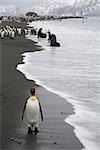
(9, 10)
(67, 7)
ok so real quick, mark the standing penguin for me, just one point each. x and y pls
(2, 34)
(32, 110)
(12, 35)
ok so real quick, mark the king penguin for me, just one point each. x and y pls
(32, 109)
(12, 35)
(2, 34)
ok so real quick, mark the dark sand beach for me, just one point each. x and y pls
(54, 133)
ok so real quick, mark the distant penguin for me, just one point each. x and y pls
(49, 35)
(12, 34)
(6, 32)
(32, 110)
(9, 32)
(19, 31)
(33, 31)
(15, 30)
(41, 34)
(2, 34)
(25, 31)
(53, 41)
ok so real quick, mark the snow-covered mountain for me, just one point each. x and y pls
(68, 7)
(9, 10)
(57, 7)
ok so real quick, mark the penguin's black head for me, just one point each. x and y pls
(32, 90)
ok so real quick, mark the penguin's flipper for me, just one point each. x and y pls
(24, 110)
(40, 110)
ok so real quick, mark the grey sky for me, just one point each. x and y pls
(19, 3)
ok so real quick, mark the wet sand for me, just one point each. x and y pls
(54, 133)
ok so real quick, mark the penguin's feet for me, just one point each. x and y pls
(36, 130)
(29, 130)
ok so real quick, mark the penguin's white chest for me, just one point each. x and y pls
(12, 34)
(2, 34)
(32, 111)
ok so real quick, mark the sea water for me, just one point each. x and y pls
(72, 71)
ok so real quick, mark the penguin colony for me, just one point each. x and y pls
(12, 32)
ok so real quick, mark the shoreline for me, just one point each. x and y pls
(54, 132)
(31, 16)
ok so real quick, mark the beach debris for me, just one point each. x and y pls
(19, 141)
(64, 113)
